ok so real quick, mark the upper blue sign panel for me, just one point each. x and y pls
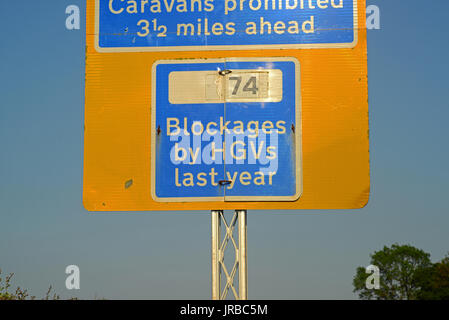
(180, 25)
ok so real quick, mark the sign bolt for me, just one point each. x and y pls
(224, 72)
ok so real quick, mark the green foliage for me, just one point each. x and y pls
(434, 281)
(19, 293)
(399, 266)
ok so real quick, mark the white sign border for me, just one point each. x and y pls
(224, 47)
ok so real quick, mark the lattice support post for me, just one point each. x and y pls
(243, 257)
(218, 256)
(216, 239)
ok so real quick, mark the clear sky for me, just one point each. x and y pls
(292, 255)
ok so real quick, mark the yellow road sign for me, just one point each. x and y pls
(128, 68)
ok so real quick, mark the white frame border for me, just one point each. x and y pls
(224, 47)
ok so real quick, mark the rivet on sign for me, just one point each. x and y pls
(159, 130)
(224, 182)
(224, 72)
(293, 128)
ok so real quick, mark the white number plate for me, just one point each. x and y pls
(189, 87)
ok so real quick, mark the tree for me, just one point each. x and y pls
(398, 267)
(434, 281)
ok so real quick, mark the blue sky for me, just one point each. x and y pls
(292, 254)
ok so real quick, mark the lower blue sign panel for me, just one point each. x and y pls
(226, 130)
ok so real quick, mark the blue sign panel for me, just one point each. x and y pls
(163, 25)
(227, 130)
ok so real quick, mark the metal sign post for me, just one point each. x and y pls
(240, 264)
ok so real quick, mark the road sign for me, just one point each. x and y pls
(226, 130)
(152, 67)
(165, 25)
